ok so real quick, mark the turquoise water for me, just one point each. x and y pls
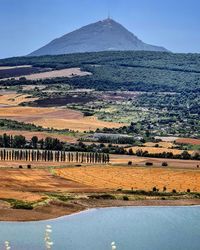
(136, 228)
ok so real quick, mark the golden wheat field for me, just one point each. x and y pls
(55, 118)
(162, 144)
(133, 177)
(30, 185)
(81, 124)
(15, 99)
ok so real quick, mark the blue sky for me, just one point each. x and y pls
(26, 25)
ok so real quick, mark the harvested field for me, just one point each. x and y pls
(136, 178)
(156, 150)
(39, 165)
(29, 114)
(83, 124)
(71, 72)
(157, 162)
(15, 99)
(28, 184)
(115, 160)
(161, 144)
(188, 141)
(166, 138)
(40, 135)
(55, 118)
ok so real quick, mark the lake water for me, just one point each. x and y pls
(135, 228)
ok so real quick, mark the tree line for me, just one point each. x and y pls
(20, 141)
(168, 155)
(52, 156)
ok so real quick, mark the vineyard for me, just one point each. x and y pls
(52, 156)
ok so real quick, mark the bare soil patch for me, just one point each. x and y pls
(62, 101)
(71, 72)
(188, 141)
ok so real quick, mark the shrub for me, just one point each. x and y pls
(29, 166)
(130, 151)
(164, 164)
(20, 166)
(149, 164)
(164, 189)
(103, 197)
(188, 190)
(21, 205)
(130, 163)
(154, 189)
(125, 198)
(174, 191)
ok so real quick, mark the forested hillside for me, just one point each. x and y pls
(137, 71)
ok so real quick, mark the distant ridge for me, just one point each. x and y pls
(104, 35)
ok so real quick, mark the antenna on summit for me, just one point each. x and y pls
(109, 17)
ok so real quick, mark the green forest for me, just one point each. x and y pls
(129, 70)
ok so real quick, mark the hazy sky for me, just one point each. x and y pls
(26, 25)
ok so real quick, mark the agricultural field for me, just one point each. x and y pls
(115, 160)
(71, 72)
(28, 185)
(133, 178)
(14, 71)
(157, 162)
(41, 135)
(161, 144)
(55, 118)
(189, 141)
(13, 98)
(14, 67)
(157, 150)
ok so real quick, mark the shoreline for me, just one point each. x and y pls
(59, 210)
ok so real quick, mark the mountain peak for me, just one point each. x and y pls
(108, 20)
(103, 35)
